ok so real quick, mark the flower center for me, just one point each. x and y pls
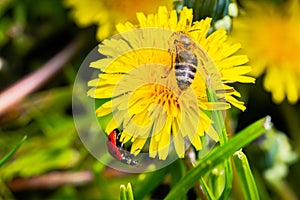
(165, 97)
(155, 94)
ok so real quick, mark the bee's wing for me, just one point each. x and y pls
(208, 70)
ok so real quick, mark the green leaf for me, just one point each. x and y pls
(207, 190)
(129, 192)
(245, 176)
(217, 156)
(218, 118)
(228, 179)
(126, 192)
(123, 195)
(215, 180)
(263, 192)
(11, 153)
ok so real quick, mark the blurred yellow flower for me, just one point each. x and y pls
(271, 37)
(151, 107)
(106, 14)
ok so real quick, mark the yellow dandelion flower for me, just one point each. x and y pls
(106, 14)
(145, 98)
(270, 36)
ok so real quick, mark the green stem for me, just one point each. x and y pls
(190, 162)
(216, 157)
(218, 119)
(245, 176)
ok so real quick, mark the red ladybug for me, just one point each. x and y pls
(117, 150)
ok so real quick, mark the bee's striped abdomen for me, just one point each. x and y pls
(185, 69)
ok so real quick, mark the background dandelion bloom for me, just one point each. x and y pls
(271, 37)
(106, 14)
(149, 106)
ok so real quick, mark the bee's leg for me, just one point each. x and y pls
(122, 144)
(167, 74)
(169, 70)
(172, 51)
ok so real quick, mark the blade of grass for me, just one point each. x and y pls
(220, 128)
(228, 169)
(207, 190)
(126, 192)
(245, 176)
(189, 160)
(263, 192)
(217, 156)
(129, 192)
(123, 195)
(11, 153)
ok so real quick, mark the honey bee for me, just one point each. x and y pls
(188, 58)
